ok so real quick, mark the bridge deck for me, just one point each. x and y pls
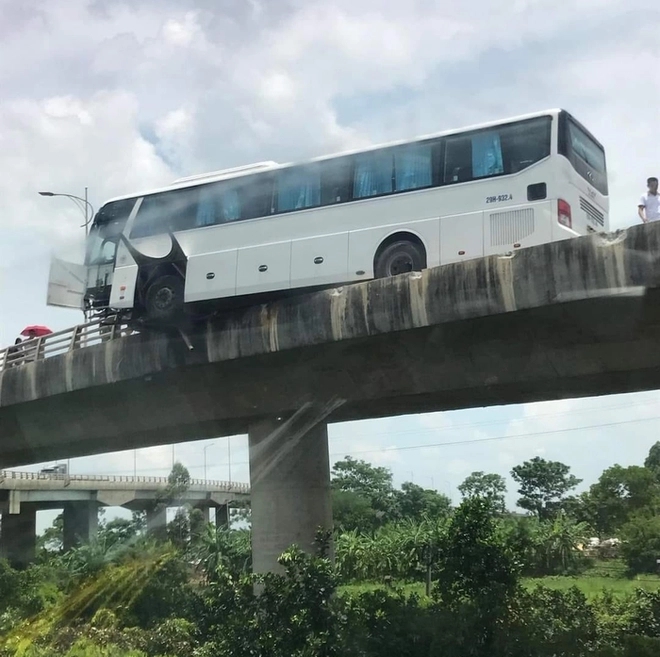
(573, 318)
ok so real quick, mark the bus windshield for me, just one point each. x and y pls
(105, 231)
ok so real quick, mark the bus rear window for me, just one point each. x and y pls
(586, 148)
(583, 152)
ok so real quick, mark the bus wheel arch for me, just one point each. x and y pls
(161, 292)
(164, 298)
(399, 253)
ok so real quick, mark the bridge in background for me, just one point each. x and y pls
(562, 320)
(22, 494)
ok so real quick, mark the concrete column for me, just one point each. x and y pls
(18, 536)
(157, 520)
(206, 511)
(80, 523)
(222, 516)
(290, 487)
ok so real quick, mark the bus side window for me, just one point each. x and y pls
(297, 189)
(526, 143)
(168, 212)
(148, 217)
(336, 181)
(254, 197)
(230, 206)
(373, 174)
(180, 209)
(412, 167)
(486, 155)
(206, 207)
(458, 160)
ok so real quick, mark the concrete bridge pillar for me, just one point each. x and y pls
(18, 536)
(157, 520)
(222, 516)
(80, 523)
(289, 487)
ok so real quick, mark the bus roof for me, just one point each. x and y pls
(247, 170)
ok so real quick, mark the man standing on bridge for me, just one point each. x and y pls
(649, 204)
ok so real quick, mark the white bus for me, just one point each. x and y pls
(381, 211)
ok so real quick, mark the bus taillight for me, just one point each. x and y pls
(564, 213)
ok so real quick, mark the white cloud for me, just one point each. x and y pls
(181, 32)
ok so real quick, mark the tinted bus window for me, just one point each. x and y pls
(373, 174)
(526, 143)
(168, 212)
(413, 167)
(584, 153)
(336, 181)
(298, 189)
(494, 152)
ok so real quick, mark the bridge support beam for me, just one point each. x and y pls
(18, 536)
(80, 523)
(290, 487)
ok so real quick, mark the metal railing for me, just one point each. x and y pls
(60, 342)
(231, 486)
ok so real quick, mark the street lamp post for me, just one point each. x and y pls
(229, 457)
(85, 207)
(82, 204)
(205, 448)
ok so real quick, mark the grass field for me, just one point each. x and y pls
(602, 577)
(594, 586)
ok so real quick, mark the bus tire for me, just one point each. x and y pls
(164, 299)
(399, 258)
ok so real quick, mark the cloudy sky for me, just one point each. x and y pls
(121, 95)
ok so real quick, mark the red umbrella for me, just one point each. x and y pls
(35, 331)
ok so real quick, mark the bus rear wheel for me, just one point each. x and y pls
(399, 258)
(164, 300)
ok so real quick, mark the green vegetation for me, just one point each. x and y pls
(412, 576)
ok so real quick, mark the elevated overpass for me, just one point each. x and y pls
(22, 494)
(568, 319)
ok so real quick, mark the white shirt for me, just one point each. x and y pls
(651, 204)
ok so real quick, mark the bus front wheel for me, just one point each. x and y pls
(399, 258)
(164, 300)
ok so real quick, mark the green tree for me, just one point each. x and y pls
(489, 487)
(357, 476)
(351, 511)
(197, 524)
(363, 495)
(178, 530)
(414, 502)
(476, 584)
(178, 482)
(120, 531)
(476, 559)
(640, 545)
(172, 495)
(52, 540)
(543, 486)
(296, 614)
(218, 548)
(652, 461)
(619, 493)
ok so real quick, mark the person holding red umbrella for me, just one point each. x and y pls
(35, 331)
(29, 332)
